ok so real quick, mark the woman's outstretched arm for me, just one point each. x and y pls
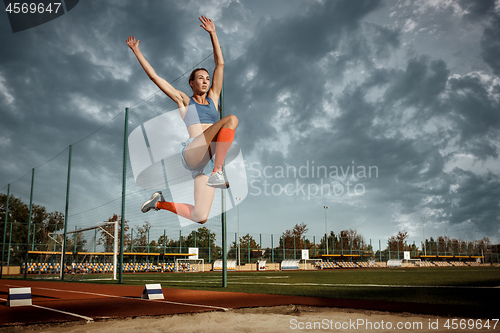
(179, 97)
(218, 75)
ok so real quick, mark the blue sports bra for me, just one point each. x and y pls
(200, 113)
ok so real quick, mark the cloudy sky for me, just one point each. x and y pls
(391, 107)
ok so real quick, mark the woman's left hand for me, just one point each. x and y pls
(208, 25)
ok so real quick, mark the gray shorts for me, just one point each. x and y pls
(203, 169)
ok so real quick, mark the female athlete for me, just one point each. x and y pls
(208, 136)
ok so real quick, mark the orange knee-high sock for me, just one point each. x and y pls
(180, 209)
(224, 140)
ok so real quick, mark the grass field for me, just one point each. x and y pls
(468, 286)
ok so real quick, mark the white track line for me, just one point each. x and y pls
(124, 297)
(88, 319)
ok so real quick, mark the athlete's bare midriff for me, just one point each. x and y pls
(197, 129)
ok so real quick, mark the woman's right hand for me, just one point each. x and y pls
(132, 43)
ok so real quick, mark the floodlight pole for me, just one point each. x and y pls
(423, 234)
(326, 230)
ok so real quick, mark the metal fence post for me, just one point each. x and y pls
(272, 248)
(223, 208)
(29, 225)
(124, 188)
(294, 250)
(66, 210)
(5, 230)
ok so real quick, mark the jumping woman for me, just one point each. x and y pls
(209, 138)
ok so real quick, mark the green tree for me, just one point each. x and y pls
(246, 242)
(162, 243)
(201, 238)
(106, 234)
(43, 223)
(294, 238)
(141, 238)
(398, 242)
(205, 241)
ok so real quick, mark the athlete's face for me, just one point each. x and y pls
(201, 81)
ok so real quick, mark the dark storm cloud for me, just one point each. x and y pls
(475, 115)
(372, 133)
(419, 85)
(477, 9)
(490, 45)
(284, 56)
(389, 132)
(475, 200)
(385, 40)
(485, 11)
(65, 77)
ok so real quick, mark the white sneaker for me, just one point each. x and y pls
(151, 203)
(217, 180)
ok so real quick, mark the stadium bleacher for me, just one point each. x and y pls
(347, 264)
(426, 264)
(326, 265)
(288, 264)
(87, 268)
(473, 263)
(458, 263)
(442, 264)
(366, 264)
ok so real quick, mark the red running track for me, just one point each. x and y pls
(55, 302)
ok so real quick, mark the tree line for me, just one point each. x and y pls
(47, 226)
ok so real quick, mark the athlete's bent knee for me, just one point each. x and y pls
(232, 121)
(199, 217)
